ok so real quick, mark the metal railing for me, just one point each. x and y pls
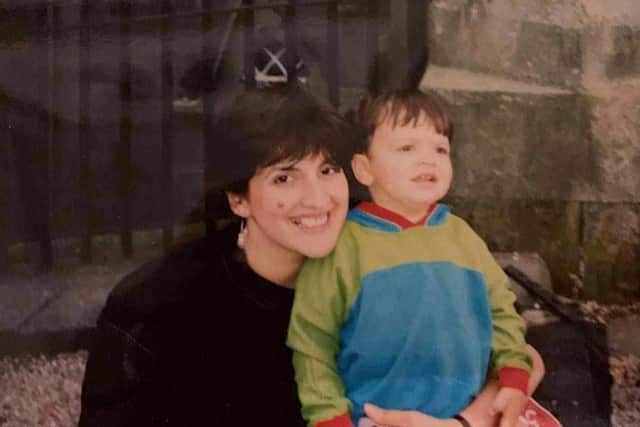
(38, 158)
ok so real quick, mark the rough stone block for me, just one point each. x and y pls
(548, 228)
(521, 145)
(444, 25)
(549, 54)
(612, 223)
(616, 136)
(528, 41)
(611, 236)
(469, 37)
(624, 61)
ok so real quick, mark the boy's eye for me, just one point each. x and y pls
(281, 179)
(406, 147)
(442, 150)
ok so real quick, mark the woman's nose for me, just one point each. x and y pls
(315, 194)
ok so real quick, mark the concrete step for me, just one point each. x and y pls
(50, 313)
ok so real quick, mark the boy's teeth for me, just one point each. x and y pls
(429, 178)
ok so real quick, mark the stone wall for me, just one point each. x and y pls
(545, 98)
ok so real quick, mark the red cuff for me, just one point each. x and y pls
(343, 420)
(517, 378)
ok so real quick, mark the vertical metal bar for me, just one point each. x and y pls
(416, 41)
(397, 49)
(42, 152)
(290, 40)
(167, 121)
(248, 23)
(55, 140)
(207, 113)
(372, 46)
(84, 135)
(333, 76)
(123, 151)
(5, 135)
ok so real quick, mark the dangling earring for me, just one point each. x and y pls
(242, 235)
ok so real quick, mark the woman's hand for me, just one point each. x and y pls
(395, 418)
(509, 404)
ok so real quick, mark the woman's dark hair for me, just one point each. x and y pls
(268, 125)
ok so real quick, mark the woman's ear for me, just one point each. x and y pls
(361, 169)
(239, 204)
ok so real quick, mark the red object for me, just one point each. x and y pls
(535, 415)
(343, 420)
(514, 378)
(399, 220)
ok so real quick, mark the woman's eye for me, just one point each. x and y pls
(281, 179)
(406, 147)
(331, 170)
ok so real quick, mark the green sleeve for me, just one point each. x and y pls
(509, 348)
(325, 290)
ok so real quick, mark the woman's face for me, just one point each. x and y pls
(296, 206)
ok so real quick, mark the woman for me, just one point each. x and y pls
(198, 337)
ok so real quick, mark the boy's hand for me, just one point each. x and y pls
(510, 404)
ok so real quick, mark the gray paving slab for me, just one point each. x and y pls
(57, 311)
(23, 295)
(78, 304)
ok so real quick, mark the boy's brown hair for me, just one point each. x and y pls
(402, 107)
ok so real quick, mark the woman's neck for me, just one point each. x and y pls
(270, 260)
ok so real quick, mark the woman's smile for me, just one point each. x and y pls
(297, 206)
(312, 222)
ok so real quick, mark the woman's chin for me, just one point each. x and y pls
(318, 249)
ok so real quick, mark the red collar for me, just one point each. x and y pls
(390, 216)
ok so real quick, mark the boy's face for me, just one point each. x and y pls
(407, 168)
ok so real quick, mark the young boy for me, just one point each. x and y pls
(410, 311)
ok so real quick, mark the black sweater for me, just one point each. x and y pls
(196, 338)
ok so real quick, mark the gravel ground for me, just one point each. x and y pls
(45, 391)
(41, 391)
(625, 370)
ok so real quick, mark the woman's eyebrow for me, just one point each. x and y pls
(287, 168)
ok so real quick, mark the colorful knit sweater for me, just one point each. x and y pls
(405, 317)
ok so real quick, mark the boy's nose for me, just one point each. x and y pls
(427, 158)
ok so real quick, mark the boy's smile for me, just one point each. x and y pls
(427, 178)
(407, 168)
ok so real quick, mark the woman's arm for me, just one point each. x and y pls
(477, 413)
(114, 390)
